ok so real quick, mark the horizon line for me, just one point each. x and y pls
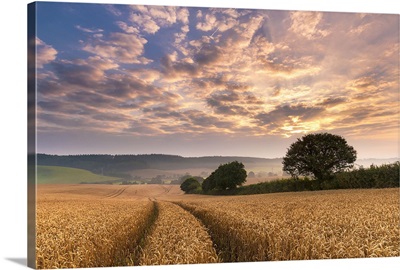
(177, 155)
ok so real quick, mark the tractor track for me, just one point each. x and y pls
(116, 193)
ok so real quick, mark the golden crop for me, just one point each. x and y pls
(88, 232)
(303, 225)
(177, 238)
(95, 225)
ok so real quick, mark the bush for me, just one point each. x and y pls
(190, 185)
(384, 176)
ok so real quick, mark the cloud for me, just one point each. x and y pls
(128, 105)
(89, 98)
(175, 68)
(68, 76)
(49, 87)
(209, 22)
(64, 107)
(306, 24)
(82, 75)
(289, 118)
(183, 15)
(88, 30)
(165, 111)
(362, 84)
(151, 18)
(208, 55)
(287, 68)
(226, 71)
(44, 53)
(234, 102)
(146, 23)
(86, 73)
(165, 15)
(282, 60)
(217, 19)
(113, 10)
(111, 117)
(332, 101)
(179, 37)
(126, 28)
(76, 122)
(385, 129)
(142, 129)
(221, 108)
(121, 86)
(120, 47)
(202, 120)
(146, 74)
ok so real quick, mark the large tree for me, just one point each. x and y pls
(209, 182)
(320, 155)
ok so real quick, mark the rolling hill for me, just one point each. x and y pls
(64, 175)
(125, 166)
(167, 167)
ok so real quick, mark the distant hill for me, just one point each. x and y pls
(63, 175)
(170, 167)
(125, 165)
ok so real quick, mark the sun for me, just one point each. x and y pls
(295, 126)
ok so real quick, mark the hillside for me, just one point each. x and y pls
(125, 166)
(169, 167)
(63, 175)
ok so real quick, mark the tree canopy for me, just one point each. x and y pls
(190, 185)
(319, 155)
(226, 176)
(209, 183)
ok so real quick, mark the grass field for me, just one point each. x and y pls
(64, 175)
(110, 225)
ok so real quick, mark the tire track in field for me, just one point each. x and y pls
(157, 193)
(119, 193)
(135, 256)
(177, 237)
(163, 192)
(111, 193)
(116, 193)
(215, 237)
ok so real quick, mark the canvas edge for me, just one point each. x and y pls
(31, 129)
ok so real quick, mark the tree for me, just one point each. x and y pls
(198, 178)
(251, 175)
(156, 180)
(227, 176)
(183, 178)
(320, 155)
(209, 183)
(189, 185)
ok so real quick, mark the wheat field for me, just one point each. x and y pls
(177, 238)
(107, 225)
(304, 225)
(90, 232)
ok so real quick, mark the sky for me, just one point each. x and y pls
(129, 79)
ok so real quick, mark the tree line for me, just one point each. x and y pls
(315, 161)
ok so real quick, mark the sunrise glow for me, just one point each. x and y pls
(196, 81)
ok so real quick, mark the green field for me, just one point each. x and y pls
(65, 175)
